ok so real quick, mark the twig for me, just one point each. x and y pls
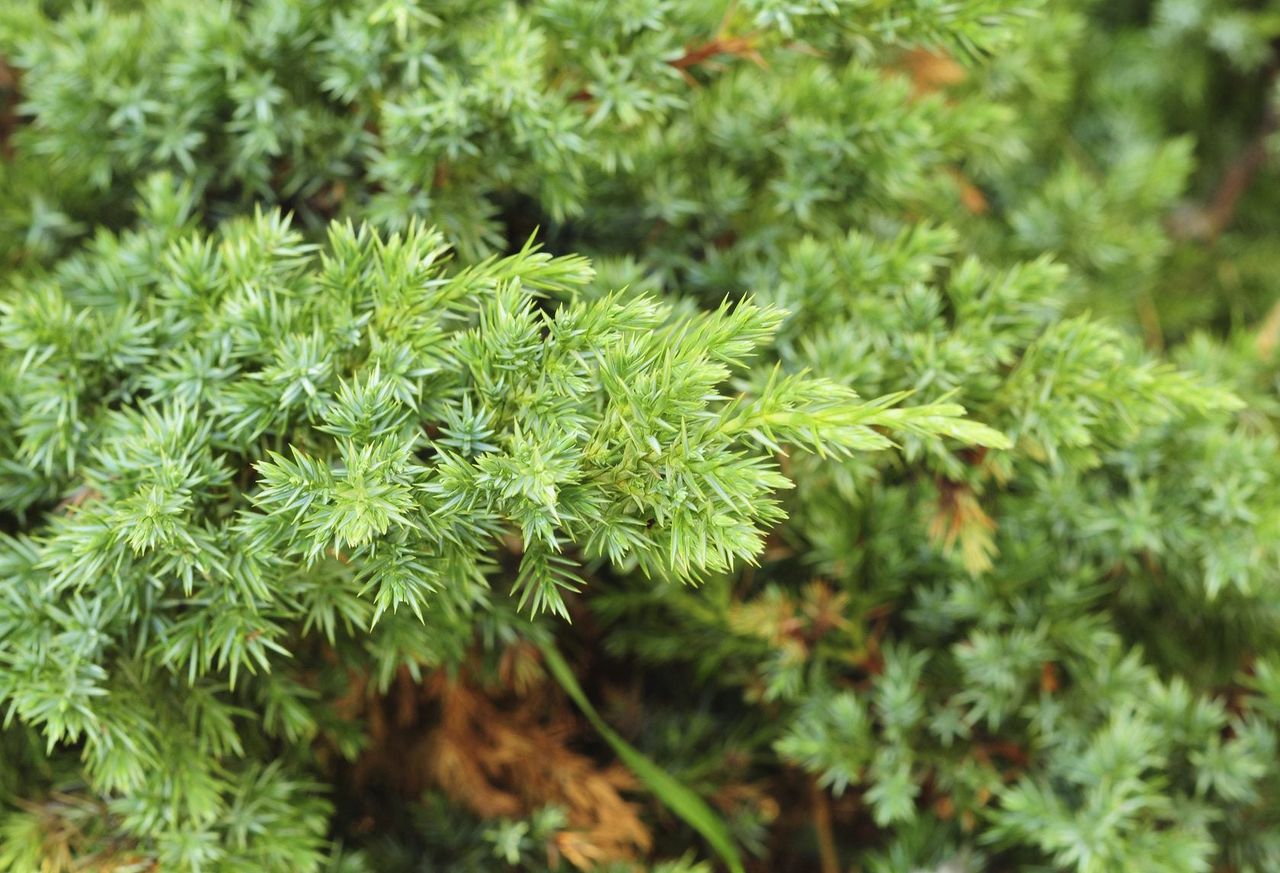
(1208, 222)
(1149, 317)
(736, 46)
(828, 859)
(9, 119)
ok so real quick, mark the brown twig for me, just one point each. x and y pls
(737, 46)
(77, 498)
(720, 44)
(828, 859)
(1236, 181)
(9, 98)
(1206, 223)
(1149, 318)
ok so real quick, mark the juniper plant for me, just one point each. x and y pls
(797, 427)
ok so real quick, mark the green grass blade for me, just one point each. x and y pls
(677, 797)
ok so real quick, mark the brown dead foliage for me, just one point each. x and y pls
(960, 519)
(931, 71)
(501, 752)
(934, 72)
(1269, 333)
(73, 834)
(971, 197)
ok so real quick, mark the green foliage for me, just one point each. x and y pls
(894, 461)
(597, 430)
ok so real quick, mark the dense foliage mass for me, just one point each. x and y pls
(640, 435)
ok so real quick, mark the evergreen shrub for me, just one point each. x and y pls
(628, 435)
